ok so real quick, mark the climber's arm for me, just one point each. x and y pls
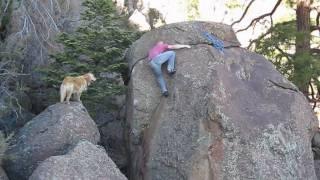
(178, 46)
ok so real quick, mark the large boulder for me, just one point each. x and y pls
(50, 133)
(85, 161)
(229, 115)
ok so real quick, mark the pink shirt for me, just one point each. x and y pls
(156, 50)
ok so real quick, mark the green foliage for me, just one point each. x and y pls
(232, 4)
(193, 9)
(155, 18)
(279, 46)
(97, 46)
(290, 3)
(280, 37)
(303, 70)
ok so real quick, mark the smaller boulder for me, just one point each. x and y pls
(51, 133)
(85, 161)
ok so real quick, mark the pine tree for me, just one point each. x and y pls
(97, 46)
(291, 46)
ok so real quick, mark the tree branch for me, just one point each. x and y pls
(259, 38)
(7, 5)
(313, 28)
(318, 14)
(255, 20)
(315, 51)
(312, 95)
(287, 55)
(244, 13)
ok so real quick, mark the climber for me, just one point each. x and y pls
(160, 54)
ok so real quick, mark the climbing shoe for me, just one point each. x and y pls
(172, 72)
(165, 94)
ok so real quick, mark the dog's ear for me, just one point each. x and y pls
(87, 78)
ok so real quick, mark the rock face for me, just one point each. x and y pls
(50, 133)
(112, 138)
(229, 115)
(111, 124)
(35, 24)
(12, 117)
(32, 33)
(317, 168)
(3, 175)
(85, 161)
(316, 145)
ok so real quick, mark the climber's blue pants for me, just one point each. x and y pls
(156, 63)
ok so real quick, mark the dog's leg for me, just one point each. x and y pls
(69, 93)
(78, 95)
(62, 93)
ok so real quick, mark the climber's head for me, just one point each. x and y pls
(160, 42)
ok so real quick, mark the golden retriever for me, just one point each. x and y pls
(75, 85)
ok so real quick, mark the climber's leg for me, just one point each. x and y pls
(158, 74)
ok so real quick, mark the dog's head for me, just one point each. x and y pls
(89, 77)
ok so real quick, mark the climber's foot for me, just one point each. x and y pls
(165, 94)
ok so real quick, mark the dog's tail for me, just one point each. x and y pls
(63, 92)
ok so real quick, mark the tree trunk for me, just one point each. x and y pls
(303, 36)
(303, 26)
